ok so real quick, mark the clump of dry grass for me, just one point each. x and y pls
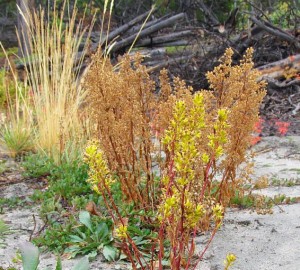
(56, 94)
(16, 122)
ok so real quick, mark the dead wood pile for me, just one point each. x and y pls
(190, 50)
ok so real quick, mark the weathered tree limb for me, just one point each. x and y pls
(275, 31)
(164, 38)
(161, 64)
(173, 43)
(113, 34)
(168, 22)
(151, 53)
(296, 106)
(280, 68)
(278, 84)
(137, 28)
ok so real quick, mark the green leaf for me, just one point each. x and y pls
(76, 239)
(92, 255)
(123, 257)
(72, 251)
(102, 231)
(58, 264)
(85, 218)
(30, 256)
(83, 264)
(110, 253)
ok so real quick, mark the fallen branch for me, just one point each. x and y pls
(147, 31)
(120, 30)
(164, 39)
(280, 68)
(159, 65)
(278, 84)
(275, 31)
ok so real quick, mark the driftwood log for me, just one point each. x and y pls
(281, 68)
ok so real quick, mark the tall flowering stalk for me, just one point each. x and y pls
(101, 181)
(186, 201)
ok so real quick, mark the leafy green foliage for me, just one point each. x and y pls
(4, 230)
(284, 15)
(92, 235)
(67, 188)
(66, 180)
(37, 165)
(243, 201)
(56, 236)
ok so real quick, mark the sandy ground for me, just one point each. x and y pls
(260, 242)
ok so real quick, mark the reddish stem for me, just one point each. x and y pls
(206, 180)
(206, 247)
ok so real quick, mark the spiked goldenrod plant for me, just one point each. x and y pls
(197, 141)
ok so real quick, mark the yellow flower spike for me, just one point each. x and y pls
(205, 158)
(222, 115)
(182, 181)
(211, 143)
(218, 211)
(99, 175)
(165, 180)
(200, 210)
(230, 259)
(188, 204)
(171, 201)
(91, 150)
(169, 204)
(219, 151)
(121, 231)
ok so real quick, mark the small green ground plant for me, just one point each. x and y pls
(59, 202)
(4, 231)
(15, 125)
(91, 237)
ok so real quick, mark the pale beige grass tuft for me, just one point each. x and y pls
(56, 94)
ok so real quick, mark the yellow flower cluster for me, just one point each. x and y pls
(169, 205)
(230, 259)
(218, 212)
(185, 139)
(219, 137)
(193, 214)
(99, 173)
(121, 231)
(182, 139)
